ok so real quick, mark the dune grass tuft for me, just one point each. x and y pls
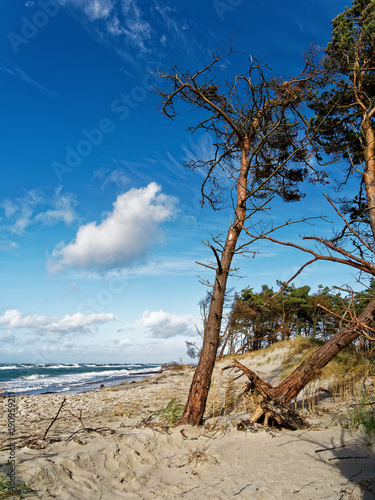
(13, 490)
(362, 417)
(171, 414)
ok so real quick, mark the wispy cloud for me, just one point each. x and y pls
(119, 343)
(93, 9)
(18, 73)
(126, 234)
(36, 208)
(6, 244)
(135, 27)
(139, 170)
(117, 19)
(125, 25)
(166, 266)
(8, 338)
(117, 177)
(173, 26)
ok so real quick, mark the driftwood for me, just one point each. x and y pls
(269, 408)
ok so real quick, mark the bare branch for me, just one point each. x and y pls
(348, 225)
(220, 269)
(55, 417)
(289, 281)
(205, 265)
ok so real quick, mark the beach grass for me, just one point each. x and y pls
(362, 417)
(349, 360)
(16, 490)
(343, 377)
(171, 413)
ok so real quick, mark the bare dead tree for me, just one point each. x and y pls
(258, 149)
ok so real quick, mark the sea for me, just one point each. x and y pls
(41, 378)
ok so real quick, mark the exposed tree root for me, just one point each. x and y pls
(269, 407)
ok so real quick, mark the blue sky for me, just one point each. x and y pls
(100, 224)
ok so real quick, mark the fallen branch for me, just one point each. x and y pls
(241, 490)
(345, 458)
(79, 418)
(332, 448)
(268, 405)
(56, 417)
(304, 486)
(322, 389)
(363, 404)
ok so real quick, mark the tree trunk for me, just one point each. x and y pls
(369, 173)
(292, 385)
(270, 398)
(196, 403)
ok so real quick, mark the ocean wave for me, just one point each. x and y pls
(66, 366)
(32, 377)
(155, 369)
(114, 366)
(75, 382)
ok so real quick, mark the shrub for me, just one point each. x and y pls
(172, 365)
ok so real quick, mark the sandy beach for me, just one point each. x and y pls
(108, 444)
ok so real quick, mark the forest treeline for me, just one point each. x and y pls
(255, 321)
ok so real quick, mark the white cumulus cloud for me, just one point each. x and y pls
(163, 325)
(125, 234)
(76, 323)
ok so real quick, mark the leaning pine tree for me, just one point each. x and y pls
(344, 129)
(258, 151)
